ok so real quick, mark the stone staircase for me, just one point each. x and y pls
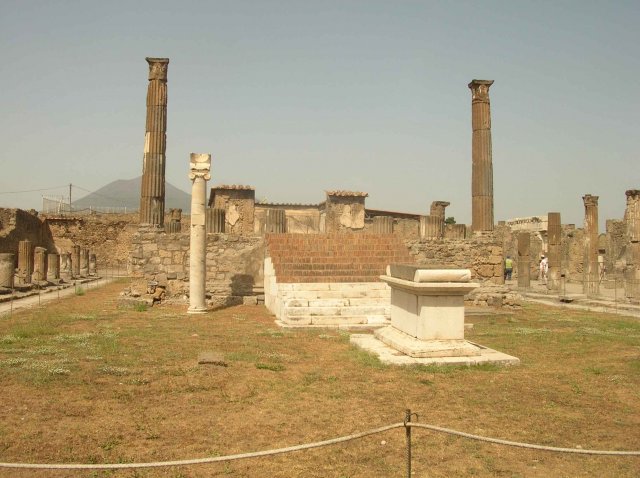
(330, 279)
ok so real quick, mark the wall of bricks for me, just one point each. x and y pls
(234, 264)
(334, 257)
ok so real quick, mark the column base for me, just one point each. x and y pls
(197, 310)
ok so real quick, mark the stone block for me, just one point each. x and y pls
(250, 300)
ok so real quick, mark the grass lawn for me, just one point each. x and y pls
(85, 382)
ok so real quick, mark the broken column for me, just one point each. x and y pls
(632, 268)
(382, 225)
(215, 220)
(155, 142)
(482, 165)
(591, 283)
(39, 265)
(554, 235)
(53, 267)
(524, 259)
(276, 221)
(92, 265)
(175, 221)
(84, 262)
(431, 227)
(7, 269)
(65, 266)
(25, 262)
(75, 262)
(438, 209)
(200, 166)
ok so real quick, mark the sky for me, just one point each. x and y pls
(298, 97)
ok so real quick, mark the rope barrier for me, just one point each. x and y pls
(198, 461)
(523, 445)
(241, 456)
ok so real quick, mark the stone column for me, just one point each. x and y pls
(25, 261)
(438, 209)
(92, 264)
(431, 227)
(276, 221)
(216, 220)
(524, 259)
(482, 172)
(199, 174)
(65, 266)
(175, 221)
(75, 262)
(39, 264)
(7, 269)
(554, 250)
(591, 284)
(382, 225)
(84, 262)
(632, 255)
(53, 267)
(155, 142)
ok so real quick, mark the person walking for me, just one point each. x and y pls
(544, 268)
(508, 268)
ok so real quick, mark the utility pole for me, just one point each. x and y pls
(69, 198)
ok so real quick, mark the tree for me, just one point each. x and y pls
(450, 220)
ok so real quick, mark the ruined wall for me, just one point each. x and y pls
(301, 219)
(108, 236)
(238, 203)
(234, 263)
(509, 240)
(616, 244)
(344, 213)
(483, 255)
(17, 225)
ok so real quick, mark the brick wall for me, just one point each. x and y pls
(334, 257)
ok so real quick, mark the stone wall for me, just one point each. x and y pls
(616, 239)
(483, 255)
(17, 225)
(108, 236)
(234, 264)
(238, 203)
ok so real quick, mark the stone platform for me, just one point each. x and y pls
(391, 356)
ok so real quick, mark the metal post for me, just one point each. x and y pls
(407, 419)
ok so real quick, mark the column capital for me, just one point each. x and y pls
(590, 200)
(632, 193)
(480, 90)
(200, 166)
(158, 68)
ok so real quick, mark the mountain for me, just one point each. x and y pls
(126, 193)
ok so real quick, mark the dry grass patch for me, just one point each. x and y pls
(85, 382)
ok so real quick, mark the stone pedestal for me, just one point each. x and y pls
(155, 143)
(25, 262)
(84, 262)
(200, 166)
(482, 172)
(7, 270)
(427, 312)
(53, 268)
(591, 281)
(524, 259)
(427, 320)
(75, 262)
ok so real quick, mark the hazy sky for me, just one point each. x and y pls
(297, 97)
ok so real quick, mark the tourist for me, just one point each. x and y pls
(508, 268)
(544, 268)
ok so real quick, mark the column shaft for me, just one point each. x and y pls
(554, 235)
(591, 284)
(199, 174)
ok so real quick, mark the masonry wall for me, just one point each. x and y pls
(17, 225)
(483, 255)
(234, 263)
(108, 236)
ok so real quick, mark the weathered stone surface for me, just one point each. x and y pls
(7, 268)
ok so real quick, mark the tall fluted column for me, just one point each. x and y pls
(200, 167)
(591, 284)
(155, 142)
(482, 172)
(632, 269)
(554, 228)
